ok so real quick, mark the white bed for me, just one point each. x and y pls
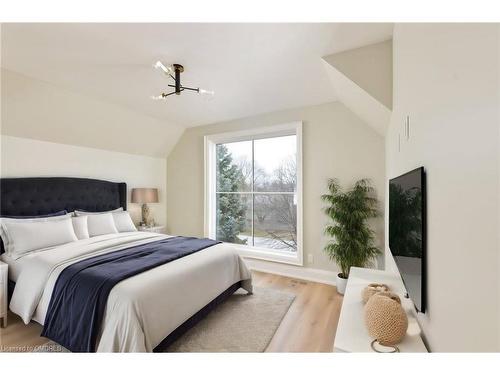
(142, 310)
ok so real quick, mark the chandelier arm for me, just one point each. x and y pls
(190, 88)
(186, 88)
(163, 95)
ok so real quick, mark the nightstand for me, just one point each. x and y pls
(3, 293)
(155, 229)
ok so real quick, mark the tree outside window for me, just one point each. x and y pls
(256, 184)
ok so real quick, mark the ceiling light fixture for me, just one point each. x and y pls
(174, 72)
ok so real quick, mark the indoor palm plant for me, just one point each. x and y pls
(352, 241)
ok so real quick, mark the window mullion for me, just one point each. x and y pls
(253, 193)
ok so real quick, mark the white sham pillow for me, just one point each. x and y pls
(26, 236)
(4, 220)
(123, 222)
(100, 224)
(85, 213)
(80, 225)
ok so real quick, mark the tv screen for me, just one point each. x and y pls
(407, 231)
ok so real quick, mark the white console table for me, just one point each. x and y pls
(352, 335)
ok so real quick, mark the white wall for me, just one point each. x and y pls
(47, 130)
(498, 230)
(446, 80)
(22, 157)
(369, 67)
(357, 99)
(336, 143)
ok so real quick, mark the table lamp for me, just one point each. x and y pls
(144, 196)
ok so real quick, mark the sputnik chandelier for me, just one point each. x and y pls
(174, 72)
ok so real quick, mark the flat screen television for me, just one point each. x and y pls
(407, 236)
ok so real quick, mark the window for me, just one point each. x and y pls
(253, 191)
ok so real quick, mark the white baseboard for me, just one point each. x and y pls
(304, 273)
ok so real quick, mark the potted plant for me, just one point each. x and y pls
(352, 241)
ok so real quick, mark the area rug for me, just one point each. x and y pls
(243, 323)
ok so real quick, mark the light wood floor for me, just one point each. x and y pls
(308, 326)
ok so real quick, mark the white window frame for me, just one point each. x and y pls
(293, 128)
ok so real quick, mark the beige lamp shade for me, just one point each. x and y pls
(144, 195)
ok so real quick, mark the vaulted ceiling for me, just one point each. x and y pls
(253, 68)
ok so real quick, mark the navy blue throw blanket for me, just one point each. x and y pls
(81, 292)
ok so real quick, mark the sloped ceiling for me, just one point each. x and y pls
(253, 68)
(362, 78)
(39, 110)
(370, 67)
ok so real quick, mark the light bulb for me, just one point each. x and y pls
(156, 97)
(166, 69)
(206, 92)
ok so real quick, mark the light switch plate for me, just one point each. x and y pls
(407, 127)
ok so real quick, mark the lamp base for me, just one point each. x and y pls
(146, 217)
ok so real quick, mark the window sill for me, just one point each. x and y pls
(269, 255)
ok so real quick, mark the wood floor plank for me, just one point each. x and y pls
(308, 326)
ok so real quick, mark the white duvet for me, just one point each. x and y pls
(142, 310)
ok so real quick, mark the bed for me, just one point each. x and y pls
(143, 313)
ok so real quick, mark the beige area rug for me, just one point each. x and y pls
(243, 323)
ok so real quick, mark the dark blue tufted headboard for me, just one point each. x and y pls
(44, 195)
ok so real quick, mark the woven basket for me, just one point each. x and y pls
(385, 318)
(371, 289)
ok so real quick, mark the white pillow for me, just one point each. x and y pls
(81, 227)
(25, 236)
(100, 224)
(123, 222)
(85, 213)
(3, 220)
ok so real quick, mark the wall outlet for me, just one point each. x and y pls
(310, 258)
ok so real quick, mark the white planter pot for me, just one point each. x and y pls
(341, 284)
